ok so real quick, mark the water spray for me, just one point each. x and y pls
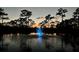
(39, 32)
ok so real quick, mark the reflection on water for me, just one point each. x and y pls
(39, 36)
(23, 42)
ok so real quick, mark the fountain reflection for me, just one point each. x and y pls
(40, 36)
(38, 42)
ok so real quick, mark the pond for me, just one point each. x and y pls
(31, 42)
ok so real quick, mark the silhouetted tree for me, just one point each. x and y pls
(48, 17)
(3, 14)
(24, 16)
(74, 21)
(76, 13)
(13, 23)
(62, 12)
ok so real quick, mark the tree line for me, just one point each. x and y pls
(66, 25)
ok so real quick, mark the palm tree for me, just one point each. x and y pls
(3, 14)
(62, 12)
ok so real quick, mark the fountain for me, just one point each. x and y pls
(39, 35)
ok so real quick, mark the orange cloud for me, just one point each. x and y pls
(36, 25)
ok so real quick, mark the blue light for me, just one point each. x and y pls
(40, 35)
(39, 32)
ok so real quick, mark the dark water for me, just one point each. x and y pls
(23, 42)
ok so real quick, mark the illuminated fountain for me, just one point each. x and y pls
(39, 32)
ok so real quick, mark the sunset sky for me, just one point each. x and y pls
(14, 12)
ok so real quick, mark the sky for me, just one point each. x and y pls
(14, 12)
